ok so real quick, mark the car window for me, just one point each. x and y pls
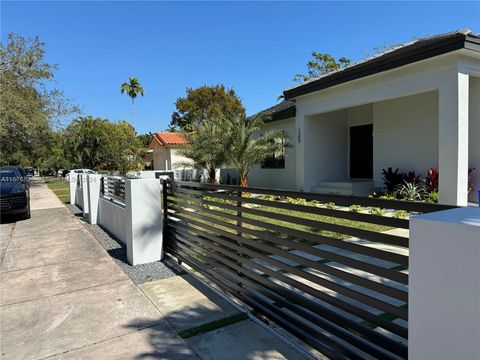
(90, 172)
(79, 171)
(21, 171)
(6, 174)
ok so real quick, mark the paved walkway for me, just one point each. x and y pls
(62, 296)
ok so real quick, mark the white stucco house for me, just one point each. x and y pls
(165, 150)
(413, 107)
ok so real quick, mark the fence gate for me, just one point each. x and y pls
(333, 270)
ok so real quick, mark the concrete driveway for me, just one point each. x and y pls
(62, 296)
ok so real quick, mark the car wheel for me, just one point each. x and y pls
(26, 215)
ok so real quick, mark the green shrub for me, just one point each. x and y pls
(377, 211)
(411, 191)
(355, 208)
(401, 214)
(330, 205)
(433, 197)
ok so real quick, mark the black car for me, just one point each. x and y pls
(30, 172)
(14, 192)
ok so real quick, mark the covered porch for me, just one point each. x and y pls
(345, 138)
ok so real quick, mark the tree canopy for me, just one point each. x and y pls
(204, 103)
(100, 144)
(29, 108)
(132, 88)
(321, 64)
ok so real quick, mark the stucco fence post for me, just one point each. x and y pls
(84, 194)
(144, 220)
(93, 197)
(444, 285)
(73, 186)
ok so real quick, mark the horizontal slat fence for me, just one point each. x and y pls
(113, 188)
(335, 276)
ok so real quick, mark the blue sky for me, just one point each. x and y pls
(254, 47)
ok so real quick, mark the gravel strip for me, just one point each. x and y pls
(118, 251)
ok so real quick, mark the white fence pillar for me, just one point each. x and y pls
(85, 209)
(73, 186)
(444, 285)
(93, 196)
(144, 220)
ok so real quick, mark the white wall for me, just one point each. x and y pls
(444, 285)
(176, 158)
(325, 141)
(167, 157)
(144, 221)
(474, 135)
(277, 178)
(405, 134)
(160, 158)
(113, 217)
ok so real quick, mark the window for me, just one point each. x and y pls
(276, 160)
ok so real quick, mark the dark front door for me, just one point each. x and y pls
(361, 151)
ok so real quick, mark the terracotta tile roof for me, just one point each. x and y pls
(163, 138)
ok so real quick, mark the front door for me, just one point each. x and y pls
(361, 151)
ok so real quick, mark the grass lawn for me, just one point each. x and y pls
(217, 212)
(61, 189)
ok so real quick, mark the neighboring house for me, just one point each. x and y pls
(415, 106)
(165, 147)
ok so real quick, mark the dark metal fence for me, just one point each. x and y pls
(113, 188)
(331, 269)
(79, 181)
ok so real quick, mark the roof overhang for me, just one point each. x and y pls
(388, 61)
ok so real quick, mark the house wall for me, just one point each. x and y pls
(474, 135)
(405, 134)
(278, 178)
(160, 155)
(176, 159)
(166, 157)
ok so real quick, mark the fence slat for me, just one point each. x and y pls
(333, 277)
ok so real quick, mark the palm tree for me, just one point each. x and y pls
(246, 146)
(206, 147)
(132, 88)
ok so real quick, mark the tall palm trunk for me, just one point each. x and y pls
(211, 175)
(133, 106)
(244, 181)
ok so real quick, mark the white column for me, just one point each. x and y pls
(453, 140)
(93, 196)
(85, 209)
(444, 285)
(73, 186)
(144, 220)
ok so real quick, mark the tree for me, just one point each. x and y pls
(133, 89)
(207, 146)
(29, 108)
(100, 144)
(246, 146)
(205, 102)
(321, 64)
(145, 139)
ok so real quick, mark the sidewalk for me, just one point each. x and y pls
(64, 297)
